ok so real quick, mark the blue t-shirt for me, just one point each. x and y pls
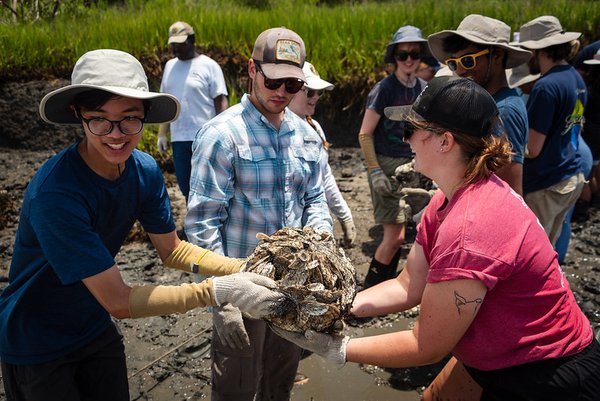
(388, 136)
(514, 117)
(72, 224)
(555, 109)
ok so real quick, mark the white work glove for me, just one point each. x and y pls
(250, 292)
(330, 347)
(229, 325)
(162, 143)
(416, 198)
(380, 181)
(349, 231)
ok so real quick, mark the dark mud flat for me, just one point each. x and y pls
(169, 357)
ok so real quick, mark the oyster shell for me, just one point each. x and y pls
(313, 273)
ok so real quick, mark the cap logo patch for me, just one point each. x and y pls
(288, 50)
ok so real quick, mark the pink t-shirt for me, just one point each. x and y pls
(486, 232)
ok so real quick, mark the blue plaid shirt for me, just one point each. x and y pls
(247, 178)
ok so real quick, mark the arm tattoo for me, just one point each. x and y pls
(459, 300)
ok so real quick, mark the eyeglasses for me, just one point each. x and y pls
(101, 126)
(312, 92)
(468, 61)
(403, 56)
(292, 85)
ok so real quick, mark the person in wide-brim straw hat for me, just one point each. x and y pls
(483, 31)
(479, 49)
(77, 212)
(544, 31)
(520, 76)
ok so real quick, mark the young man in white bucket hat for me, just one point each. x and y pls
(479, 49)
(552, 176)
(65, 287)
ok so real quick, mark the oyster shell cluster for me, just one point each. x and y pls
(313, 273)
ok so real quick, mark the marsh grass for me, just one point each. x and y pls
(343, 40)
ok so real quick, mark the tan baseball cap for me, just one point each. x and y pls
(179, 32)
(280, 53)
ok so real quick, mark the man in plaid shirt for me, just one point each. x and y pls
(256, 168)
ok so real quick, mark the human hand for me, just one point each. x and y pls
(162, 143)
(349, 230)
(381, 183)
(250, 292)
(229, 326)
(416, 198)
(330, 347)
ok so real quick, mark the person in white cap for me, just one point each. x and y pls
(198, 82)
(479, 49)
(304, 104)
(58, 340)
(381, 141)
(552, 176)
(256, 168)
(489, 286)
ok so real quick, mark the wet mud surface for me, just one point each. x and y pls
(169, 357)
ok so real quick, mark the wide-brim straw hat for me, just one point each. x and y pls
(112, 71)
(544, 31)
(482, 31)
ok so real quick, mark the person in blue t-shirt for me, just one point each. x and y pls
(479, 49)
(552, 176)
(64, 285)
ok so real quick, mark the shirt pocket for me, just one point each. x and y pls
(257, 173)
(301, 169)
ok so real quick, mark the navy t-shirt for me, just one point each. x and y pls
(389, 135)
(555, 109)
(72, 224)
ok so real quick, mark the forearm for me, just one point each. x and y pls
(368, 148)
(162, 300)
(388, 297)
(194, 259)
(393, 350)
(163, 129)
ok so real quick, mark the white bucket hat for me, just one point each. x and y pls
(520, 75)
(594, 60)
(313, 80)
(112, 71)
(544, 31)
(482, 31)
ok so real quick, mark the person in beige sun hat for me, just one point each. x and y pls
(479, 49)
(552, 173)
(58, 312)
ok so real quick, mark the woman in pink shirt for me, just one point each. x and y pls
(482, 269)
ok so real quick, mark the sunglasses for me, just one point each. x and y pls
(292, 85)
(403, 56)
(467, 62)
(312, 92)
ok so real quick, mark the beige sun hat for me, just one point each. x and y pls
(483, 31)
(313, 79)
(520, 75)
(544, 31)
(112, 71)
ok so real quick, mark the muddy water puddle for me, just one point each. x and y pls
(351, 382)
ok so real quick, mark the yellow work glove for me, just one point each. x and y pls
(194, 259)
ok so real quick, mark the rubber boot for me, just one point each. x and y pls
(394, 264)
(378, 272)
